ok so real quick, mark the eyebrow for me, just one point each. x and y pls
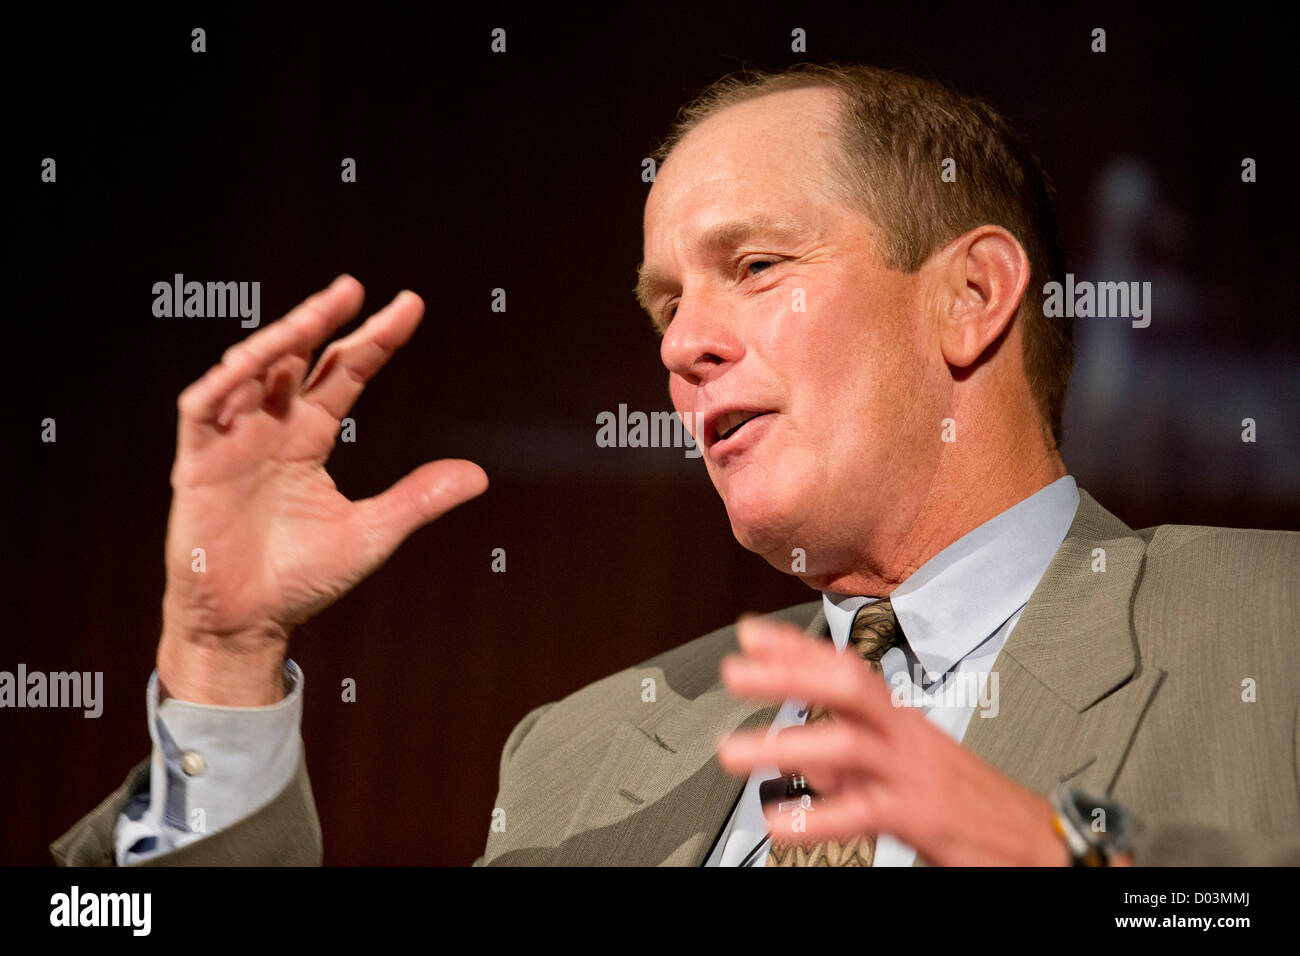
(651, 281)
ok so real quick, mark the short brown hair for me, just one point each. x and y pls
(895, 132)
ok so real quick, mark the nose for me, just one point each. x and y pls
(701, 341)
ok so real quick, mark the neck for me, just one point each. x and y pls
(943, 511)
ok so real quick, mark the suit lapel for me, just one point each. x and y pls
(660, 795)
(1072, 690)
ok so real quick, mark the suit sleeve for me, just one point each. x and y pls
(1175, 844)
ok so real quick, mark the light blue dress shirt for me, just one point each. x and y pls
(956, 611)
(212, 766)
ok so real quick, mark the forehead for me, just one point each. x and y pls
(764, 157)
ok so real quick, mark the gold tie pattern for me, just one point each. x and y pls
(875, 630)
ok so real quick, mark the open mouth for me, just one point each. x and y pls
(732, 422)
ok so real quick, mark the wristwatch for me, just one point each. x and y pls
(1096, 831)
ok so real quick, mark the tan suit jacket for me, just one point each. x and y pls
(1170, 681)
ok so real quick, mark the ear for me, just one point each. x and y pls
(982, 276)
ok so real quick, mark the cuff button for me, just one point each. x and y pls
(193, 765)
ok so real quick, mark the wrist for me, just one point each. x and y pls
(247, 671)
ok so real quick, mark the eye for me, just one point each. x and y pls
(756, 266)
(666, 316)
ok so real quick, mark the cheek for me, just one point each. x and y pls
(683, 399)
(680, 393)
(874, 347)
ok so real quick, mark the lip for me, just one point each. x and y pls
(720, 446)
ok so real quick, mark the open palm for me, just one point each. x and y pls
(259, 538)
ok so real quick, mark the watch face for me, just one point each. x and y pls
(1104, 823)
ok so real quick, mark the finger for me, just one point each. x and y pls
(301, 330)
(762, 640)
(272, 393)
(247, 397)
(759, 637)
(780, 665)
(422, 496)
(305, 327)
(741, 755)
(845, 687)
(348, 364)
(828, 752)
(737, 752)
(851, 814)
(284, 382)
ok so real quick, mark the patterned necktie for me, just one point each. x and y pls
(875, 630)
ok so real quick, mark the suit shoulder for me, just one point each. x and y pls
(1197, 553)
(701, 657)
(1166, 540)
(688, 670)
(1223, 580)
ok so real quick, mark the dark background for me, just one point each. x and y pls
(522, 171)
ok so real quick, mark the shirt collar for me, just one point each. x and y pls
(960, 597)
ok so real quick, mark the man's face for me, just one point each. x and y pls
(776, 305)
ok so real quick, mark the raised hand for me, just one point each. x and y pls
(880, 768)
(249, 488)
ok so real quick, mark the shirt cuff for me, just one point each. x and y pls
(211, 766)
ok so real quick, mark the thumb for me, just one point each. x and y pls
(424, 495)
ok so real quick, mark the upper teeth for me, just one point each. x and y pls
(731, 420)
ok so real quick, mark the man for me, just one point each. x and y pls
(859, 341)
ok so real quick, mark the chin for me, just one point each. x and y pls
(765, 525)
